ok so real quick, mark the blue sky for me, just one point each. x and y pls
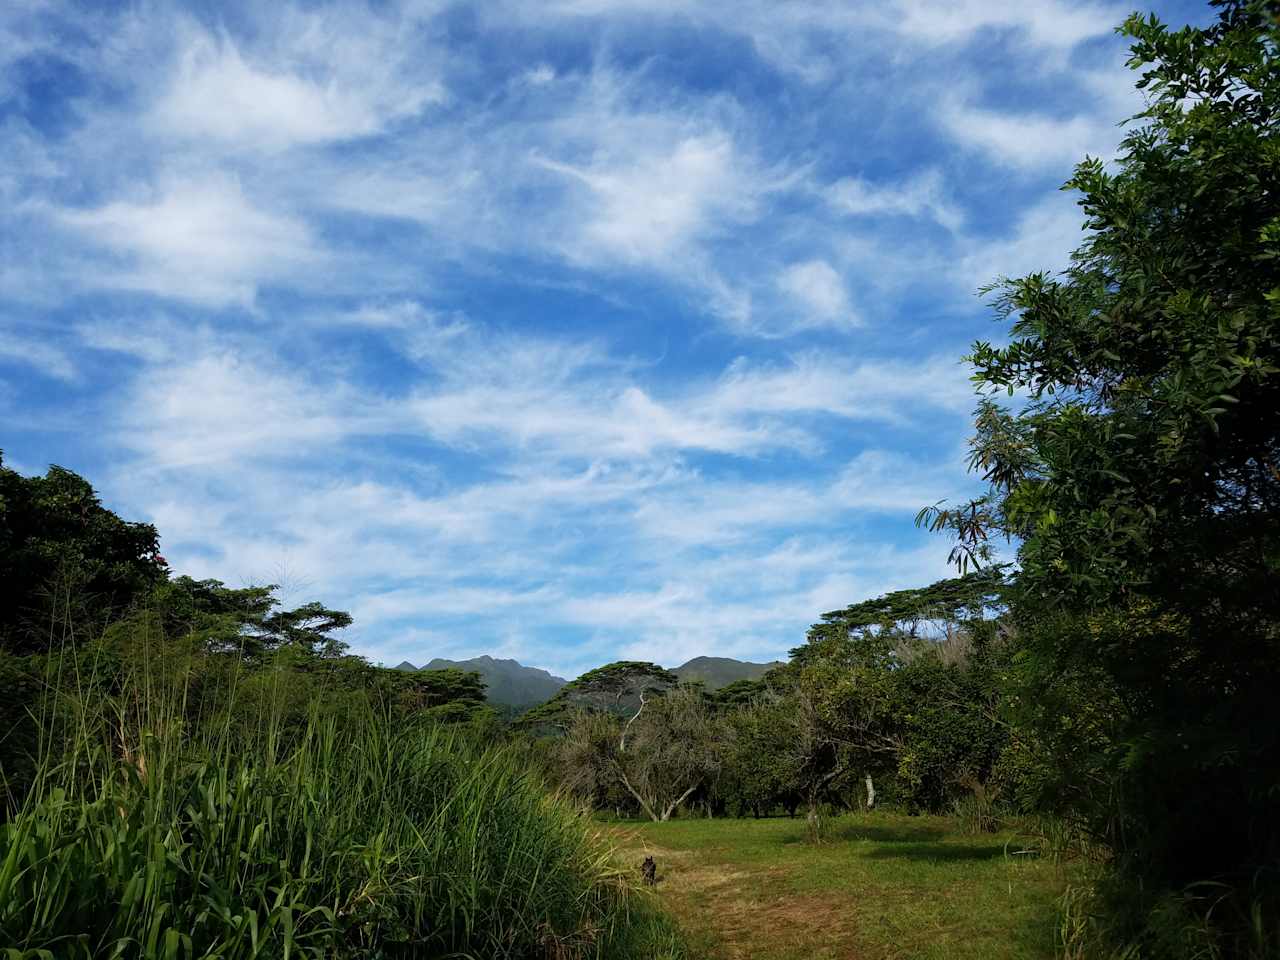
(565, 330)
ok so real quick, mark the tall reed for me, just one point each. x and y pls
(158, 827)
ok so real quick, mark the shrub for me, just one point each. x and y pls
(355, 836)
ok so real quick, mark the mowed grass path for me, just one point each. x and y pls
(881, 886)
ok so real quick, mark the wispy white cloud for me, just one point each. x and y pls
(1032, 142)
(820, 292)
(325, 78)
(922, 195)
(152, 337)
(270, 463)
(1045, 24)
(1041, 239)
(651, 208)
(888, 391)
(222, 407)
(197, 238)
(511, 327)
(37, 354)
(720, 611)
(789, 33)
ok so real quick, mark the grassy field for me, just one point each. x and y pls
(882, 886)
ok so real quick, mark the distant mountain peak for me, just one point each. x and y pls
(506, 681)
(717, 672)
(511, 682)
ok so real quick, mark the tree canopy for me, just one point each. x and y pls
(616, 687)
(60, 548)
(1139, 474)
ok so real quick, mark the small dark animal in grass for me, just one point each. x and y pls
(649, 870)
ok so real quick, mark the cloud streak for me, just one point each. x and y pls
(565, 330)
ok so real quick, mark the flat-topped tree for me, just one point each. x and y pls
(936, 611)
(445, 695)
(246, 620)
(741, 693)
(843, 683)
(620, 688)
(309, 627)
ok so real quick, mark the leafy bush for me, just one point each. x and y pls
(356, 836)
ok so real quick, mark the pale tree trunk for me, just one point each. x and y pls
(813, 820)
(622, 740)
(649, 808)
(644, 804)
(871, 793)
(666, 814)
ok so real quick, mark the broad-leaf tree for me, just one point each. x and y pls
(674, 746)
(621, 688)
(65, 558)
(1141, 475)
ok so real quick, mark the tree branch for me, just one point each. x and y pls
(675, 803)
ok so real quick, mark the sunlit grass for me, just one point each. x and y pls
(882, 886)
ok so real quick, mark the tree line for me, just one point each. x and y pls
(901, 692)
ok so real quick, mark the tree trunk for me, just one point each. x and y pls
(644, 804)
(813, 820)
(622, 740)
(871, 793)
(666, 814)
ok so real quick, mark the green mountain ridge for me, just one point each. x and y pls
(511, 683)
(717, 672)
(506, 681)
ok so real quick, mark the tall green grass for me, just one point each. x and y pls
(149, 834)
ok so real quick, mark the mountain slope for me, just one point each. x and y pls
(510, 682)
(506, 681)
(717, 672)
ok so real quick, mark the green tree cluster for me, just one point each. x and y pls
(64, 555)
(90, 610)
(1140, 478)
(903, 690)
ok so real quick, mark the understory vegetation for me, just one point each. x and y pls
(171, 798)
(349, 842)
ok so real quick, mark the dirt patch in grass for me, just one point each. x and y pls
(744, 914)
(751, 926)
(818, 926)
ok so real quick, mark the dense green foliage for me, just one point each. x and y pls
(508, 684)
(189, 770)
(904, 689)
(352, 836)
(62, 552)
(617, 688)
(1142, 482)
